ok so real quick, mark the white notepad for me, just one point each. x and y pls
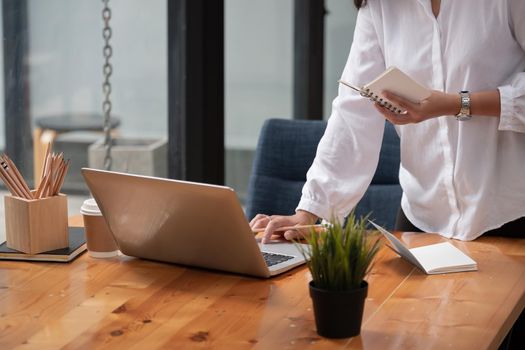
(432, 259)
(395, 81)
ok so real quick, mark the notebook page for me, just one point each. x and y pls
(397, 82)
(398, 246)
(442, 258)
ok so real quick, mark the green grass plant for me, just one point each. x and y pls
(341, 257)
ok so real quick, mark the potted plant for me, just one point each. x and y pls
(339, 259)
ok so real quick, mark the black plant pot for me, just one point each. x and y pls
(338, 314)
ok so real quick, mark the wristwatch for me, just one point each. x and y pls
(464, 112)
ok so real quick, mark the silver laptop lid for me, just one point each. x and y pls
(177, 221)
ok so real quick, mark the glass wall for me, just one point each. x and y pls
(339, 32)
(258, 77)
(259, 71)
(64, 63)
(65, 58)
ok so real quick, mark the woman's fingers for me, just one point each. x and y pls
(259, 221)
(413, 112)
(271, 224)
(296, 234)
(401, 102)
(436, 105)
(394, 118)
(275, 223)
(257, 217)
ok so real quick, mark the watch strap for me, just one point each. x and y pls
(464, 112)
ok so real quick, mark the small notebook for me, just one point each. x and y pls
(395, 81)
(77, 244)
(432, 259)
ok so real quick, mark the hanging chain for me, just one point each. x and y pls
(106, 86)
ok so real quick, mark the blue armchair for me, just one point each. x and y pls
(286, 150)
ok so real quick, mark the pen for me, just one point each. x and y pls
(350, 86)
(286, 228)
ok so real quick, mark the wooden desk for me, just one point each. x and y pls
(127, 303)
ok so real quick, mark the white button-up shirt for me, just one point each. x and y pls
(459, 179)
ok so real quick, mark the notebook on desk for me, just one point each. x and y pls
(434, 258)
(186, 223)
(77, 245)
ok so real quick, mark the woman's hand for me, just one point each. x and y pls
(437, 104)
(271, 223)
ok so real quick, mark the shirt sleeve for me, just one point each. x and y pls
(348, 152)
(512, 95)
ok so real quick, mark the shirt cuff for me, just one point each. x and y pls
(322, 211)
(509, 120)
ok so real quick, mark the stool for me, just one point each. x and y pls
(49, 127)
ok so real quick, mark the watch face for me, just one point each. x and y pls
(464, 112)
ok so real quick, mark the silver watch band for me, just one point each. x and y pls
(464, 112)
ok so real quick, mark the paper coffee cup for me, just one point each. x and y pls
(99, 239)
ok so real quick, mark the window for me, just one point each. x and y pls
(258, 78)
(63, 63)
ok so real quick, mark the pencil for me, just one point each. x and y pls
(17, 176)
(44, 166)
(286, 228)
(60, 181)
(8, 183)
(53, 174)
(13, 180)
(56, 181)
(42, 186)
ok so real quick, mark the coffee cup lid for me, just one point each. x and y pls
(90, 207)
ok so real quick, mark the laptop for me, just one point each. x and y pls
(186, 223)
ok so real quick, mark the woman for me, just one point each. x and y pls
(461, 177)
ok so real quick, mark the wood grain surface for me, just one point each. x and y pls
(129, 303)
(36, 225)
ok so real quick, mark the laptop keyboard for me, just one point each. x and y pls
(274, 259)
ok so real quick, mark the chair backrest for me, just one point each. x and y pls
(285, 151)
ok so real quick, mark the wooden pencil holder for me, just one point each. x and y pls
(36, 225)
